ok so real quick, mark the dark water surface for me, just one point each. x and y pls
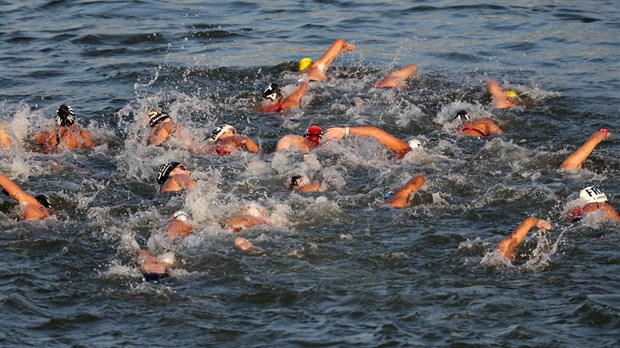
(338, 268)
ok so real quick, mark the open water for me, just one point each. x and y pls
(338, 268)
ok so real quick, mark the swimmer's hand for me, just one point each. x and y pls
(543, 226)
(604, 133)
(348, 47)
(336, 133)
(243, 244)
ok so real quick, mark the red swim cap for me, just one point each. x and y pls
(314, 130)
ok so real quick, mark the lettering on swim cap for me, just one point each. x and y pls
(592, 194)
(462, 115)
(156, 117)
(220, 130)
(65, 116)
(164, 171)
(272, 92)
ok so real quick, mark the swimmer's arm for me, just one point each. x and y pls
(312, 187)
(317, 70)
(507, 246)
(400, 147)
(500, 99)
(150, 264)
(250, 145)
(87, 140)
(19, 195)
(293, 100)
(397, 78)
(576, 159)
(493, 128)
(400, 199)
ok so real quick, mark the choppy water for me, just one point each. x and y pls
(338, 268)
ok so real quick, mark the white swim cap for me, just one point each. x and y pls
(592, 194)
(181, 216)
(167, 258)
(415, 143)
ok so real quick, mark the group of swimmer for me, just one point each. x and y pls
(224, 140)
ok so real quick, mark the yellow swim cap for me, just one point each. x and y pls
(304, 63)
(511, 94)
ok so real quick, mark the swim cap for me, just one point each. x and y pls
(511, 94)
(181, 216)
(219, 130)
(313, 134)
(164, 171)
(415, 143)
(44, 200)
(462, 116)
(167, 258)
(156, 117)
(592, 194)
(272, 92)
(388, 195)
(292, 183)
(305, 63)
(65, 116)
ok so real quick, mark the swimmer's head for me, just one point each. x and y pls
(220, 130)
(297, 181)
(304, 64)
(462, 116)
(164, 171)
(511, 94)
(65, 116)
(592, 194)
(181, 216)
(388, 195)
(167, 258)
(313, 134)
(415, 143)
(272, 92)
(157, 116)
(44, 200)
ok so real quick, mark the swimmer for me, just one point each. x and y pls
(174, 177)
(576, 159)
(400, 199)
(507, 246)
(275, 102)
(502, 99)
(65, 134)
(163, 129)
(5, 140)
(178, 226)
(317, 70)
(304, 144)
(154, 268)
(240, 222)
(479, 127)
(299, 183)
(34, 208)
(594, 200)
(225, 140)
(396, 145)
(398, 78)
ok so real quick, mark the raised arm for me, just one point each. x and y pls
(576, 159)
(318, 68)
(507, 246)
(500, 99)
(400, 147)
(397, 78)
(294, 100)
(400, 199)
(33, 209)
